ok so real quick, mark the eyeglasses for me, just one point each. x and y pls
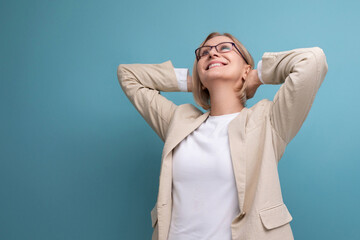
(223, 47)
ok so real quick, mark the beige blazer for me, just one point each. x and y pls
(257, 136)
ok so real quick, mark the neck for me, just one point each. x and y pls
(223, 102)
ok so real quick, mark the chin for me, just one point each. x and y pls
(218, 75)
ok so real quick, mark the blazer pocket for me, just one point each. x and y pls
(154, 217)
(275, 216)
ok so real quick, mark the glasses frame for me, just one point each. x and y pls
(215, 46)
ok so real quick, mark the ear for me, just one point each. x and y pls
(246, 71)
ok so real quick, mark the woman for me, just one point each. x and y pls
(219, 177)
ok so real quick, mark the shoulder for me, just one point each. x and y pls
(258, 113)
(261, 107)
(187, 112)
(185, 118)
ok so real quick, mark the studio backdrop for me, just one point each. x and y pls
(70, 165)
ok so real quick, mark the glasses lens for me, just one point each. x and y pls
(224, 47)
(203, 51)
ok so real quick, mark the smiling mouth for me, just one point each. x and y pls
(215, 65)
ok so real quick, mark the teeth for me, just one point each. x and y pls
(215, 65)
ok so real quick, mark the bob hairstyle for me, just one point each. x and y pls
(202, 95)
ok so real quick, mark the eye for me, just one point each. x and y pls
(225, 48)
(204, 52)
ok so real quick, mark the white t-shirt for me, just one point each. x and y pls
(204, 189)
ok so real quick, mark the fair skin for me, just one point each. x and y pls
(222, 81)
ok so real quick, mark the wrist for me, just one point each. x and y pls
(259, 67)
(189, 83)
(258, 79)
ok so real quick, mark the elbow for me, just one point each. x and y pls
(121, 73)
(321, 60)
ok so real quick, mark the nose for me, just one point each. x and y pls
(213, 52)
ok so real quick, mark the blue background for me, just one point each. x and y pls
(70, 167)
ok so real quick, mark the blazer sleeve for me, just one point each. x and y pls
(301, 71)
(142, 84)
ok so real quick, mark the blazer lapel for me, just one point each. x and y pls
(183, 129)
(236, 133)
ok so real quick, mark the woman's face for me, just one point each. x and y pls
(231, 67)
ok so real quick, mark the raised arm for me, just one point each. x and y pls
(142, 83)
(301, 71)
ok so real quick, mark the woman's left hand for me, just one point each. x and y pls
(253, 82)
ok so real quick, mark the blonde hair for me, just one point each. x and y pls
(202, 96)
